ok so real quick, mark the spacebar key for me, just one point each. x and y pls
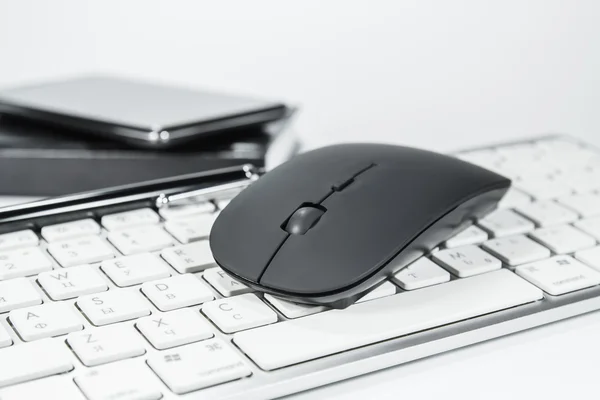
(291, 342)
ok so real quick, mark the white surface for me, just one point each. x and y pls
(441, 75)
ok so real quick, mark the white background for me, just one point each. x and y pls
(442, 75)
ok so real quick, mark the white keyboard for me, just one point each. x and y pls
(130, 304)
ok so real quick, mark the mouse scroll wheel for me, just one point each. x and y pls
(303, 219)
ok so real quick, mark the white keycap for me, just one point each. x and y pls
(191, 257)
(87, 250)
(421, 273)
(471, 235)
(559, 275)
(546, 213)
(18, 293)
(23, 262)
(133, 270)
(586, 205)
(191, 229)
(514, 198)
(467, 261)
(140, 240)
(590, 226)
(113, 306)
(542, 189)
(291, 342)
(68, 283)
(177, 292)
(590, 257)
(33, 360)
(505, 223)
(45, 320)
(125, 380)
(5, 339)
(238, 313)
(70, 230)
(293, 310)
(61, 388)
(563, 239)
(14, 240)
(198, 365)
(222, 203)
(223, 283)
(515, 250)
(107, 344)
(186, 211)
(383, 290)
(130, 219)
(175, 328)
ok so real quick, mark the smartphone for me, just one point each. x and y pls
(140, 113)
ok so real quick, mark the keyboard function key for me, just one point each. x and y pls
(174, 328)
(239, 313)
(14, 240)
(293, 310)
(140, 240)
(420, 274)
(87, 250)
(559, 275)
(191, 257)
(130, 219)
(471, 235)
(467, 261)
(586, 205)
(113, 306)
(23, 262)
(223, 283)
(546, 213)
(563, 239)
(590, 226)
(515, 250)
(107, 344)
(177, 292)
(199, 365)
(590, 257)
(18, 293)
(136, 269)
(70, 230)
(45, 321)
(68, 283)
(505, 223)
(191, 229)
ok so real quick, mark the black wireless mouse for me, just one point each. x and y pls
(333, 223)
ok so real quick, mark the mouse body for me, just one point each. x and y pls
(331, 224)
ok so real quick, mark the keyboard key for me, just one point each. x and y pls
(45, 320)
(113, 306)
(238, 313)
(187, 211)
(467, 261)
(223, 283)
(383, 290)
(543, 189)
(61, 387)
(23, 262)
(559, 275)
(140, 240)
(198, 365)
(33, 360)
(590, 226)
(107, 344)
(192, 257)
(70, 230)
(68, 283)
(293, 310)
(18, 293)
(191, 229)
(517, 250)
(177, 292)
(14, 240)
(514, 198)
(130, 219)
(175, 328)
(222, 203)
(590, 257)
(505, 223)
(133, 270)
(5, 339)
(125, 380)
(88, 250)
(563, 239)
(471, 235)
(586, 205)
(421, 273)
(291, 342)
(546, 213)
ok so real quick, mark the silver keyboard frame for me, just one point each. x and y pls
(271, 384)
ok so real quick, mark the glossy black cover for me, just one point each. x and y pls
(385, 206)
